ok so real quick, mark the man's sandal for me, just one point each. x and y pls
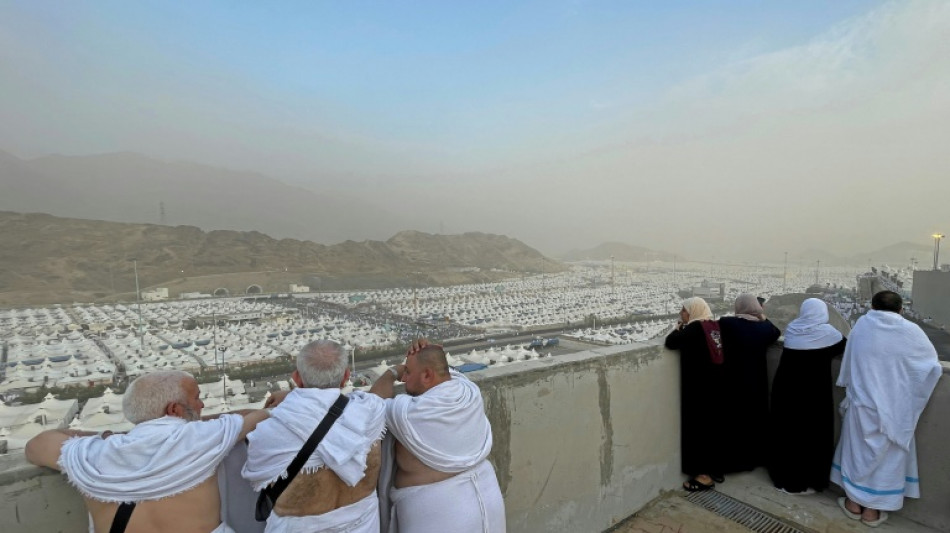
(881, 518)
(843, 503)
(693, 485)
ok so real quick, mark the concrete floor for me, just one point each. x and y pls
(671, 513)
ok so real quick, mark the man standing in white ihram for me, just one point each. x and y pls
(443, 480)
(890, 369)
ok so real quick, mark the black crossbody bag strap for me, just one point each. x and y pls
(122, 516)
(268, 496)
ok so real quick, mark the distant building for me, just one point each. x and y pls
(710, 291)
(193, 295)
(294, 288)
(931, 295)
(155, 294)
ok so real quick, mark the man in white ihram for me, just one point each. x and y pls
(890, 369)
(443, 481)
(335, 489)
(167, 464)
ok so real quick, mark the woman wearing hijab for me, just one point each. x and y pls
(746, 338)
(697, 338)
(802, 422)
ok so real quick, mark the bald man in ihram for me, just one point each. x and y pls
(167, 464)
(442, 480)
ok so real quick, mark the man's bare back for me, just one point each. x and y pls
(411, 472)
(197, 510)
(323, 491)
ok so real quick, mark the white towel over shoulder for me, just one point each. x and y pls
(155, 460)
(446, 427)
(890, 367)
(276, 441)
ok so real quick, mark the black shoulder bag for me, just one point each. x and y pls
(122, 516)
(269, 495)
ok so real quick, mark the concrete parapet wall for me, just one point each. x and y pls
(584, 441)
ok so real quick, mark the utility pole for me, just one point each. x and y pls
(138, 303)
(612, 274)
(785, 274)
(817, 268)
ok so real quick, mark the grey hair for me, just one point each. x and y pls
(149, 395)
(322, 364)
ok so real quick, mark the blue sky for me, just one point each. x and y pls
(457, 98)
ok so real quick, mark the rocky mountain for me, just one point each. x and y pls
(620, 251)
(47, 259)
(129, 187)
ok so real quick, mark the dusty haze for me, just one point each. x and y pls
(740, 131)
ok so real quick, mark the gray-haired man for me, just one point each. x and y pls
(336, 488)
(167, 464)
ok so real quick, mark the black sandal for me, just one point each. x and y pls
(718, 479)
(693, 485)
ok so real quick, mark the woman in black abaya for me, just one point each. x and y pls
(746, 338)
(697, 338)
(802, 422)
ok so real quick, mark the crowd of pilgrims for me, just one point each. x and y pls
(729, 422)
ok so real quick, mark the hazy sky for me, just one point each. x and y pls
(734, 128)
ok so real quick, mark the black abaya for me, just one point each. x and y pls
(802, 423)
(700, 386)
(746, 402)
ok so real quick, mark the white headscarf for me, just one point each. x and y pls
(698, 309)
(811, 330)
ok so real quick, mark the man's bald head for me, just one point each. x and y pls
(425, 369)
(433, 357)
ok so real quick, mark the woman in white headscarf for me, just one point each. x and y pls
(697, 338)
(802, 421)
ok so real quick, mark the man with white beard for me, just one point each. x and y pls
(163, 472)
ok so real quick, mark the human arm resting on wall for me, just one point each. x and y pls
(251, 420)
(384, 387)
(44, 449)
(675, 339)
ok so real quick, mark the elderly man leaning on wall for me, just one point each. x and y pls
(163, 472)
(336, 486)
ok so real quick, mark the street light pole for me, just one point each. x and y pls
(138, 303)
(937, 237)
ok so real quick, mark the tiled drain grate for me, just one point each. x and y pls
(739, 512)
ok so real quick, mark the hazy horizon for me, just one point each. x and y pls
(740, 131)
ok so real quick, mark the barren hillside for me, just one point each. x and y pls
(47, 259)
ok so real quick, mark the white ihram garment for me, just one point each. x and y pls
(276, 441)
(359, 517)
(890, 369)
(156, 459)
(446, 428)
